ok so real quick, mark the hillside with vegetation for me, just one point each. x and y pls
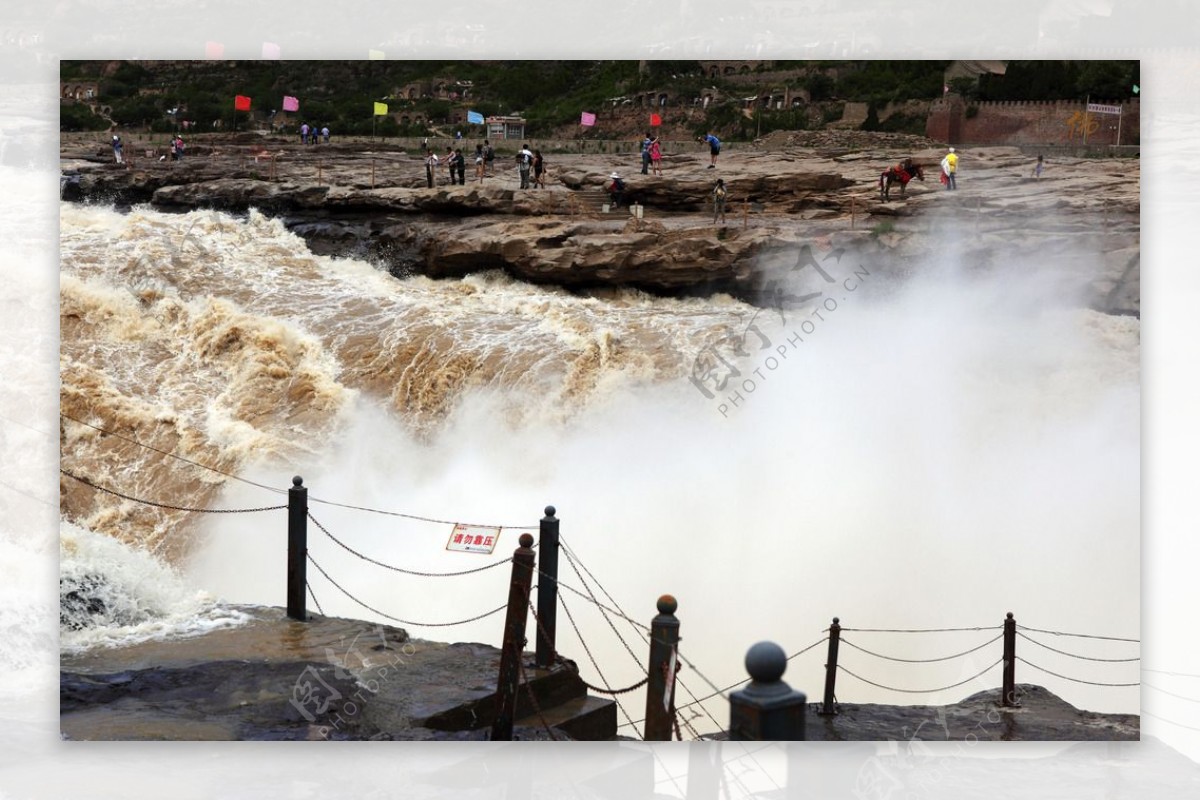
(549, 94)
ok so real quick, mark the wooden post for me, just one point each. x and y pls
(835, 636)
(660, 689)
(547, 605)
(297, 582)
(372, 173)
(767, 709)
(318, 173)
(1008, 691)
(508, 682)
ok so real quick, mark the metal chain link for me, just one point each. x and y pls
(366, 558)
(314, 597)
(743, 681)
(921, 692)
(557, 657)
(1077, 656)
(640, 628)
(924, 631)
(165, 505)
(537, 708)
(592, 595)
(172, 455)
(417, 517)
(1085, 636)
(396, 619)
(923, 661)
(588, 651)
(1077, 681)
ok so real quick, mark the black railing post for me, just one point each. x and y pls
(835, 636)
(547, 603)
(508, 682)
(297, 576)
(767, 709)
(660, 695)
(1008, 692)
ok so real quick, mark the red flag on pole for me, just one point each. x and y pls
(655, 120)
(241, 103)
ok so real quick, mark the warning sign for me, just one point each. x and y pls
(473, 539)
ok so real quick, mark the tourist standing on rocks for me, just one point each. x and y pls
(325, 133)
(479, 162)
(448, 162)
(304, 134)
(949, 168)
(616, 189)
(646, 153)
(539, 169)
(714, 147)
(459, 165)
(116, 146)
(719, 194)
(489, 158)
(431, 161)
(524, 164)
(1037, 168)
(656, 156)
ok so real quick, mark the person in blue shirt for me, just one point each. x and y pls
(714, 148)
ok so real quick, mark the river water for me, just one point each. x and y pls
(929, 454)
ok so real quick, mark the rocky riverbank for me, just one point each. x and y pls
(1082, 216)
(341, 679)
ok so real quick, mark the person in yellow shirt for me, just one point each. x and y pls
(949, 168)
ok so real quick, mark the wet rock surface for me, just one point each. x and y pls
(342, 679)
(279, 679)
(1081, 219)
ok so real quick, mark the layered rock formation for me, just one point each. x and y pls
(1082, 215)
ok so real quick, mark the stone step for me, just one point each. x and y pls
(588, 718)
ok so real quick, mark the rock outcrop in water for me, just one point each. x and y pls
(1082, 215)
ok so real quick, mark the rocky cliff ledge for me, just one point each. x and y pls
(340, 679)
(1082, 216)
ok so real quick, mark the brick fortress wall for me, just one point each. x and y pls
(1058, 122)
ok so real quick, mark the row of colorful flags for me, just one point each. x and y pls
(586, 119)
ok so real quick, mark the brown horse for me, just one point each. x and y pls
(901, 174)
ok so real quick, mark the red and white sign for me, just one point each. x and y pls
(473, 539)
(1099, 108)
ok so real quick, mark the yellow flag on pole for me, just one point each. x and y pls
(380, 109)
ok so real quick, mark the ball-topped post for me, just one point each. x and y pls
(547, 600)
(828, 705)
(1008, 680)
(767, 708)
(297, 558)
(508, 680)
(664, 658)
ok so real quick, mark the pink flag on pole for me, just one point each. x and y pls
(587, 118)
(270, 50)
(290, 103)
(214, 50)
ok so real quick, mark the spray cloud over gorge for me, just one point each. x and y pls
(941, 448)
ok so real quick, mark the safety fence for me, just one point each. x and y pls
(764, 707)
